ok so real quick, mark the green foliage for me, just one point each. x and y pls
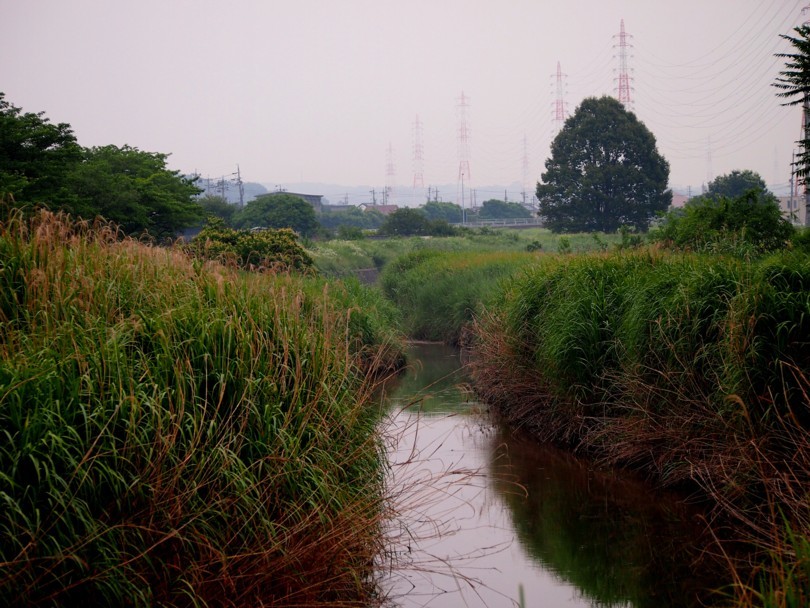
(604, 172)
(801, 240)
(177, 433)
(250, 249)
(135, 190)
(438, 293)
(278, 210)
(735, 184)
(794, 83)
(354, 217)
(749, 224)
(494, 209)
(437, 210)
(218, 207)
(350, 233)
(35, 157)
(564, 244)
(406, 222)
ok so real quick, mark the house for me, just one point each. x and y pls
(384, 209)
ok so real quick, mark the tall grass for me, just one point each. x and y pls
(692, 369)
(176, 433)
(337, 257)
(439, 292)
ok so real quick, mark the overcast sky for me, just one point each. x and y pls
(319, 90)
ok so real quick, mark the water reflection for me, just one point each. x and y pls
(483, 515)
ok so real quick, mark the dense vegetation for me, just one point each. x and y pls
(692, 369)
(250, 249)
(179, 433)
(42, 164)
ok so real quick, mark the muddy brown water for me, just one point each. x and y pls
(482, 516)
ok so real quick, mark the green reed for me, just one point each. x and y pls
(178, 433)
(691, 369)
(438, 292)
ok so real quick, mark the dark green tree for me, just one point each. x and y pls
(35, 157)
(278, 210)
(604, 172)
(218, 207)
(794, 85)
(354, 217)
(437, 210)
(135, 190)
(406, 222)
(494, 209)
(736, 183)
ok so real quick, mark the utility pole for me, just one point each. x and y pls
(241, 187)
(806, 121)
(373, 197)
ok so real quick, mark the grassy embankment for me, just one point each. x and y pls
(179, 433)
(438, 293)
(336, 257)
(692, 369)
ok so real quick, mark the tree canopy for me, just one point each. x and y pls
(134, 189)
(35, 157)
(794, 85)
(278, 210)
(736, 183)
(438, 210)
(604, 172)
(749, 223)
(406, 222)
(41, 163)
(495, 209)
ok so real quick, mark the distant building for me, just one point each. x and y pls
(793, 208)
(384, 209)
(316, 200)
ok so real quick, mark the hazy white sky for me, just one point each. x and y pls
(317, 90)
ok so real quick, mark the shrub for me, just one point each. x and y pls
(751, 223)
(250, 249)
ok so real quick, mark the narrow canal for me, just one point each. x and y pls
(484, 517)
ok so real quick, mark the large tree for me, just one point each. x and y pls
(794, 85)
(438, 210)
(135, 190)
(35, 157)
(604, 172)
(494, 209)
(278, 210)
(736, 183)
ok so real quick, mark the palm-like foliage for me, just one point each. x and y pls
(794, 85)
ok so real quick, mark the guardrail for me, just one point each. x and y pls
(504, 223)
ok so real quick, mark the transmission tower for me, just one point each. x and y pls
(526, 191)
(463, 143)
(390, 174)
(709, 173)
(418, 155)
(560, 107)
(624, 81)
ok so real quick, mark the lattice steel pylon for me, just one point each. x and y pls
(560, 106)
(624, 80)
(390, 175)
(418, 155)
(463, 138)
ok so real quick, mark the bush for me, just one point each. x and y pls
(250, 249)
(751, 223)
